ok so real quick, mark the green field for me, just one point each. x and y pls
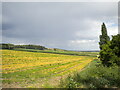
(39, 68)
(60, 51)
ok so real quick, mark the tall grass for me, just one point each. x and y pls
(95, 75)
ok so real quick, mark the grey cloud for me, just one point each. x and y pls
(55, 24)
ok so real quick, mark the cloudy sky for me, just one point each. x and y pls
(64, 25)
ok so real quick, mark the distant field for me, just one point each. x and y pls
(65, 52)
(36, 69)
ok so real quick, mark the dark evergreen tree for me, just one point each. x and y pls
(109, 50)
(104, 38)
(110, 53)
(115, 46)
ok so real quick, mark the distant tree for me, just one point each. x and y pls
(12, 46)
(104, 38)
(55, 49)
(0, 46)
(7, 46)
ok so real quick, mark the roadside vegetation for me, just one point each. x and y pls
(95, 75)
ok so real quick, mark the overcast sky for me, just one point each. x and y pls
(64, 25)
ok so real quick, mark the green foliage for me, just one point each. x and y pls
(94, 75)
(12, 46)
(115, 46)
(110, 50)
(106, 55)
(71, 83)
(7, 46)
(110, 53)
(104, 38)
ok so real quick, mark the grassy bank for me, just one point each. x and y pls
(94, 76)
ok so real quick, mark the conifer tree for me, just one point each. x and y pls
(104, 37)
(110, 50)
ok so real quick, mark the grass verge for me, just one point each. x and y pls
(94, 76)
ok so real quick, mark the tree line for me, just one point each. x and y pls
(12, 46)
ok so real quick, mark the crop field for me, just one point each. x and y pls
(36, 69)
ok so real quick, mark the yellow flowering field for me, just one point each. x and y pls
(24, 68)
